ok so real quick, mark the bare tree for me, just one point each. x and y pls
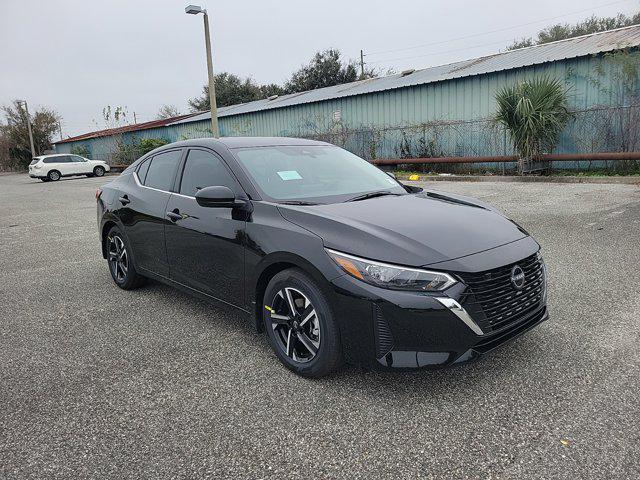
(167, 111)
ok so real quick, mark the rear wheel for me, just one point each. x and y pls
(53, 175)
(98, 171)
(119, 257)
(300, 324)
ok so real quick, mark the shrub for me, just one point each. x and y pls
(81, 150)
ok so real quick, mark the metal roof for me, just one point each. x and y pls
(130, 128)
(549, 52)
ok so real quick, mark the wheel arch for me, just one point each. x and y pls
(108, 225)
(273, 264)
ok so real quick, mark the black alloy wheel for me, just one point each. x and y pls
(118, 258)
(121, 264)
(300, 324)
(98, 171)
(296, 325)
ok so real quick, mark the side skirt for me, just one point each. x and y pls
(193, 292)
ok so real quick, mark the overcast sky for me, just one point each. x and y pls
(77, 56)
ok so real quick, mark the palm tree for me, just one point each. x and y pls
(534, 112)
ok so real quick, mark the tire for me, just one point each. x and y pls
(53, 175)
(294, 340)
(98, 171)
(121, 266)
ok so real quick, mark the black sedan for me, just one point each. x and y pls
(336, 260)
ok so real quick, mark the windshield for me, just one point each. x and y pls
(320, 173)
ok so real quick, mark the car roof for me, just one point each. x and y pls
(243, 142)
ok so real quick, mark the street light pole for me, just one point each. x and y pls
(194, 10)
(212, 83)
(26, 109)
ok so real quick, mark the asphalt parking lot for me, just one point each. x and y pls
(97, 382)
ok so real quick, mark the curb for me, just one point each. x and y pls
(499, 178)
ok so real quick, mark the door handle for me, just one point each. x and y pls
(124, 200)
(174, 216)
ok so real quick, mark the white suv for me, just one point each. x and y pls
(52, 167)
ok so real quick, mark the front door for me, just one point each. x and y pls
(205, 247)
(80, 164)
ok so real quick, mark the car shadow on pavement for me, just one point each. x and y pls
(514, 356)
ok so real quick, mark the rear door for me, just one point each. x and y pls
(205, 247)
(142, 209)
(61, 163)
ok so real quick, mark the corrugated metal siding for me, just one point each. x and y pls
(455, 114)
(510, 60)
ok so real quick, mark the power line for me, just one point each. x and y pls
(437, 53)
(497, 30)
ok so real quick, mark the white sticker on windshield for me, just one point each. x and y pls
(289, 175)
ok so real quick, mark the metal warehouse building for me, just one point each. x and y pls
(437, 111)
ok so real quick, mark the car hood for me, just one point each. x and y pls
(415, 230)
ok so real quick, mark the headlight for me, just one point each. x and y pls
(393, 277)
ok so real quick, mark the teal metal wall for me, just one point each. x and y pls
(445, 118)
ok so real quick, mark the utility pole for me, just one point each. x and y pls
(361, 64)
(26, 109)
(212, 85)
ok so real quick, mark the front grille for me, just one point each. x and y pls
(503, 304)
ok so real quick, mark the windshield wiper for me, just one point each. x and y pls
(365, 196)
(297, 202)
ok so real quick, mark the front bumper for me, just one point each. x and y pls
(394, 329)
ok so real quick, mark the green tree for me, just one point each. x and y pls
(271, 89)
(562, 31)
(534, 113)
(44, 124)
(325, 69)
(230, 90)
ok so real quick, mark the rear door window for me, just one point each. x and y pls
(162, 170)
(57, 159)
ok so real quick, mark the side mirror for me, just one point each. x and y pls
(217, 196)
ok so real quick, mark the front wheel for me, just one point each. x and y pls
(300, 324)
(121, 266)
(98, 171)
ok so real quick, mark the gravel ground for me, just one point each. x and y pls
(97, 382)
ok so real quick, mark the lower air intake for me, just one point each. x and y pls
(384, 340)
